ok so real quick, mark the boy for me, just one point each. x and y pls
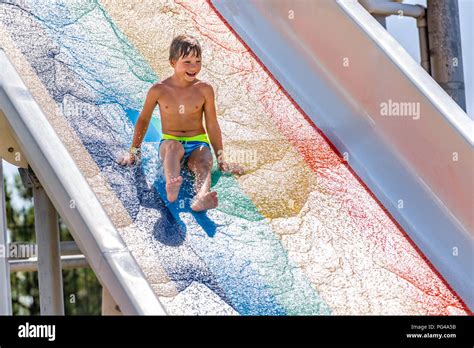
(182, 99)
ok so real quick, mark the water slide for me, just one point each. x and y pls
(344, 208)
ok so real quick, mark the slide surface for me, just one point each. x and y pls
(298, 234)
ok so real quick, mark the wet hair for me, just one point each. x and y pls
(183, 45)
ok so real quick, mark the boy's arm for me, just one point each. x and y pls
(214, 132)
(144, 119)
(212, 126)
(141, 127)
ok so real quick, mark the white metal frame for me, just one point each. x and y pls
(5, 293)
(49, 258)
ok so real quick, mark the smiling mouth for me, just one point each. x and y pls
(191, 74)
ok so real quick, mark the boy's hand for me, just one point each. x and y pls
(127, 159)
(231, 168)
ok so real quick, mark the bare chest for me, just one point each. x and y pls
(179, 102)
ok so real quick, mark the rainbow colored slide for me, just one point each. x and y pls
(340, 211)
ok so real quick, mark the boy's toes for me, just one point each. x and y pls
(205, 201)
(212, 197)
(172, 188)
(175, 180)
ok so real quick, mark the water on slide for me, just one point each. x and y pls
(297, 234)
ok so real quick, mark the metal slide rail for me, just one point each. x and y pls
(5, 292)
(340, 65)
(90, 226)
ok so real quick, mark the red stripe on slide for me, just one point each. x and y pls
(303, 135)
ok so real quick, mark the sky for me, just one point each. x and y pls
(406, 32)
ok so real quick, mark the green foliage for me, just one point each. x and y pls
(82, 291)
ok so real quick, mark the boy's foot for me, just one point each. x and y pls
(205, 201)
(172, 188)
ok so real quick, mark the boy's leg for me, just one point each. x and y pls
(171, 153)
(200, 163)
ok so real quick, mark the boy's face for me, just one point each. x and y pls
(187, 67)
